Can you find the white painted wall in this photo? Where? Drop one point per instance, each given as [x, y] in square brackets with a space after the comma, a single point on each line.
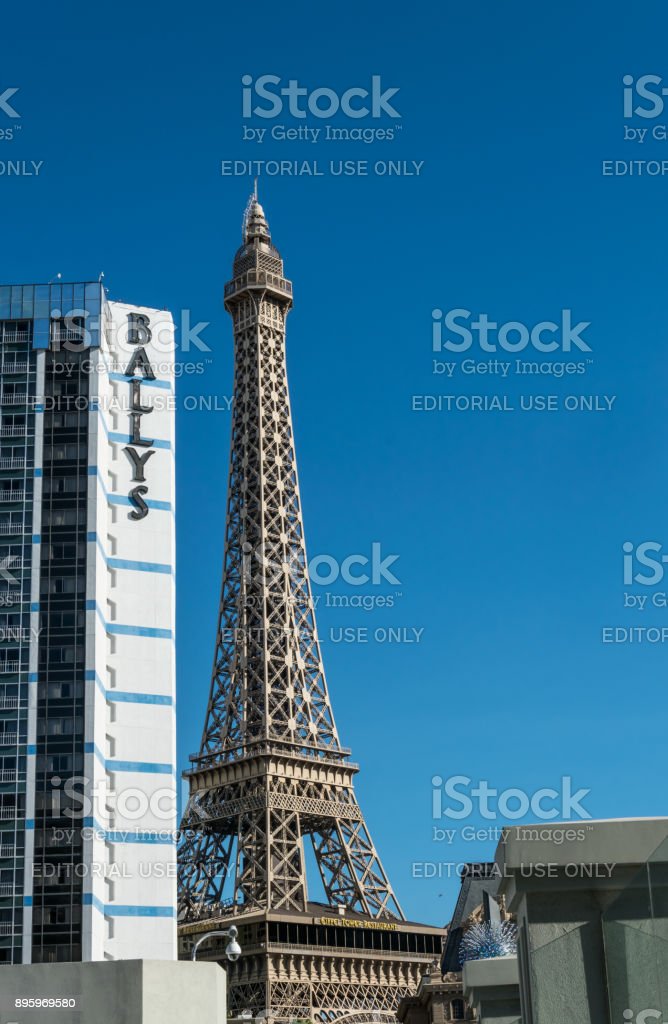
[130, 651]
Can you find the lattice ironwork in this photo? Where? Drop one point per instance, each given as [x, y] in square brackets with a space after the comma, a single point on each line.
[300, 988]
[271, 773]
[268, 693]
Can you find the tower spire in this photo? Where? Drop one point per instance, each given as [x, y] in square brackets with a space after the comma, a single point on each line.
[255, 223]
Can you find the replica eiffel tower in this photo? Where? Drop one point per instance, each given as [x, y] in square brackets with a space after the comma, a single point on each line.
[271, 776]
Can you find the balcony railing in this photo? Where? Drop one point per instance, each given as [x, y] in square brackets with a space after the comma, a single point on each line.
[8, 739]
[11, 775]
[12, 527]
[13, 366]
[8, 667]
[9, 336]
[13, 430]
[11, 703]
[15, 398]
[62, 334]
[6, 462]
[10, 813]
[6, 850]
[6, 928]
[10, 563]
[12, 495]
[6, 888]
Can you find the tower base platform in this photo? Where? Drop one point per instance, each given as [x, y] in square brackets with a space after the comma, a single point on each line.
[320, 966]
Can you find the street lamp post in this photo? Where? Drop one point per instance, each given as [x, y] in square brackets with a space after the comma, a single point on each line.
[232, 949]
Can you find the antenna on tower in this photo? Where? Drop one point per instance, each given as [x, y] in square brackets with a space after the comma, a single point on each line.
[251, 199]
[244, 221]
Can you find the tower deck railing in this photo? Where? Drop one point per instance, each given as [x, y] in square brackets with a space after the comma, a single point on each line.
[337, 756]
[258, 279]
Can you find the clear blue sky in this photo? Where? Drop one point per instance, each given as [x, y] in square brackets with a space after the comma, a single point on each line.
[509, 526]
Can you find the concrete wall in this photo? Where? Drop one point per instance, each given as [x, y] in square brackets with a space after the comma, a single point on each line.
[592, 914]
[491, 987]
[116, 992]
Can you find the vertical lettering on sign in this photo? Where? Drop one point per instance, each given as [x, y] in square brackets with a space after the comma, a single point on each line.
[138, 462]
[141, 508]
[139, 334]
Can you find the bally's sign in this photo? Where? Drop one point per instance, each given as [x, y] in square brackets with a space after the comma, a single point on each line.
[139, 334]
